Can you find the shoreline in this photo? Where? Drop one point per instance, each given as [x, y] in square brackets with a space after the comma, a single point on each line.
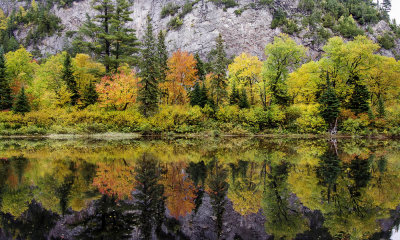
[136, 136]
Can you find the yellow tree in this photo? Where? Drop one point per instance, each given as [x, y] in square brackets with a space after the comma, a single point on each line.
[119, 90]
[86, 71]
[247, 70]
[383, 79]
[180, 78]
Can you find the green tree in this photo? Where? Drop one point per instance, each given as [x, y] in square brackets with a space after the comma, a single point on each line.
[283, 54]
[359, 100]
[102, 27]
[234, 98]
[22, 103]
[219, 80]
[5, 89]
[149, 91]
[90, 95]
[201, 71]
[195, 95]
[243, 100]
[69, 79]
[329, 108]
[387, 5]
[124, 41]
[162, 56]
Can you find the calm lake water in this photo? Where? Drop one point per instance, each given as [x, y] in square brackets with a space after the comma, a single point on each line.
[234, 188]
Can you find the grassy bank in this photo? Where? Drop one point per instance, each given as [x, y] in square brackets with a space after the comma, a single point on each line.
[194, 121]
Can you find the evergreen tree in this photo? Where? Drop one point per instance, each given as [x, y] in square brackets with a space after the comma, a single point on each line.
[381, 107]
[162, 56]
[204, 100]
[387, 5]
[195, 95]
[234, 98]
[219, 81]
[102, 45]
[243, 100]
[329, 108]
[69, 78]
[107, 36]
[201, 72]
[124, 41]
[149, 92]
[359, 99]
[90, 95]
[21, 102]
[5, 89]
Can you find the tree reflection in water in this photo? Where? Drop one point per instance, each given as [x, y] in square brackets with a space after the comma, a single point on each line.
[243, 189]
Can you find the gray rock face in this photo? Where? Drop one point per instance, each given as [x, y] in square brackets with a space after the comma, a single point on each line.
[248, 32]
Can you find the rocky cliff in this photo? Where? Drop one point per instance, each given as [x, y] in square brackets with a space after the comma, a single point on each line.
[244, 28]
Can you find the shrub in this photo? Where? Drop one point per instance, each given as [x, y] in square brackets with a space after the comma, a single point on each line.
[175, 23]
[386, 41]
[347, 26]
[169, 9]
[310, 120]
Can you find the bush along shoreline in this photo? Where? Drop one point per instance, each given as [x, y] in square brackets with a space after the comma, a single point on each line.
[187, 120]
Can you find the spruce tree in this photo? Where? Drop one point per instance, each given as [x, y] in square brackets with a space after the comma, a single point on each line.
[5, 89]
[243, 100]
[201, 72]
[219, 81]
[204, 100]
[234, 98]
[329, 107]
[69, 78]
[359, 101]
[162, 55]
[21, 102]
[90, 95]
[381, 107]
[149, 91]
[124, 41]
[195, 95]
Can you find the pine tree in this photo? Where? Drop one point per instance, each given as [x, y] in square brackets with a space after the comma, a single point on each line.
[201, 72]
[5, 89]
[21, 102]
[102, 45]
[69, 78]
[219, 81]
[234, 98]
[329, 108]
[243, 100]
[149, 92]
[124, 41]
[387, 5]
[90, 95]
[359, 99]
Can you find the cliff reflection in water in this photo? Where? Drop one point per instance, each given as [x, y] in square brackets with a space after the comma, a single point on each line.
[199, 189]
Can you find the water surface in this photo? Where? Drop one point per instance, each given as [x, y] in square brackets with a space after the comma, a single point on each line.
[229, 188]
